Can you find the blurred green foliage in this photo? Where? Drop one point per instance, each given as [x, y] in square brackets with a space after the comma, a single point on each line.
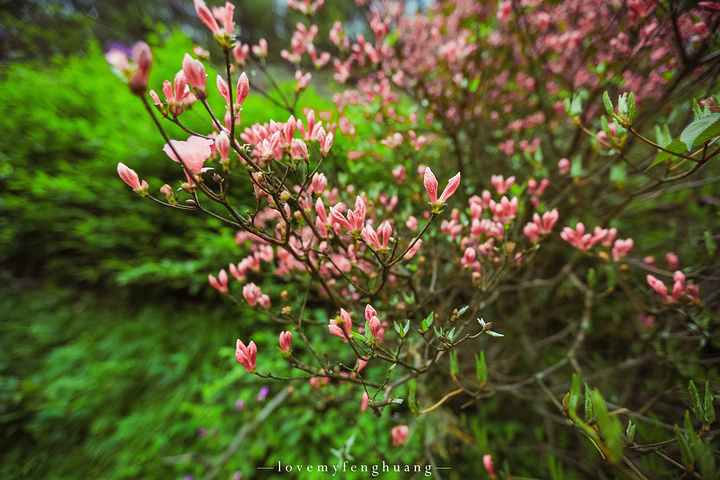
[43, 29]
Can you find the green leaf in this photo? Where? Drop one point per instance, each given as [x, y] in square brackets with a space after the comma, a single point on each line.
[407, 328]
[494, 334]
[631, 106]
[611, 278]
[697, 111]
[463, 310]
[608, 104]
[623, 104]
[710, 242]
[662, 135]
[676, 146]
[589, 414]
[697, 406]
[630, 432]
[709, 408]
[689, 430]
[412, 385]
[610, 427]
[574, 394]
[427, 322]
[591, 277]
[454, 367]
[574, 106]
[481, 369]
[397, 328]
[685, 452]
[619, 131]
[701, 130]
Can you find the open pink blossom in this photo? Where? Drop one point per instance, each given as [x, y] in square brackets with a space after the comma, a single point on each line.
[501, 185]
[431, 186]
[193, 152]
[579, 239]
[345, 321]
[246, 355]
[621, 248]
[220, 283]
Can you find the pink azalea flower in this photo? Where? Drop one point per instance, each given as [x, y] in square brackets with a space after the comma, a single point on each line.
[193, 152]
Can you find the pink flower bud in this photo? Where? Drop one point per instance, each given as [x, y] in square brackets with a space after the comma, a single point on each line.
[326, 144]
[194, 72]
[399, 434]
[345, 319]
[398, 173]
[345, 316]
[503, 14]
[261, 49]
[564, 166]
[241, 52]
[451, 187]
[222, 143]
[252, 294]
[142, 57]
[489, 466]
[659, 287]
[225, 17]
[621, 248]
[364, 402]
[129, 176]
[469, 257]
[375, 326]
[413, 250]
[385, 231]
[243, 89]
[203, 13]
[692, 292]
[370, 312]
[298, 149]
[285, 341]
[222, 87]
[370, 237]
[672, 260]
[431, 185]
[319, 183]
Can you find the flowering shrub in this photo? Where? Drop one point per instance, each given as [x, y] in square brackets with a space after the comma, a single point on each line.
[409, 273]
